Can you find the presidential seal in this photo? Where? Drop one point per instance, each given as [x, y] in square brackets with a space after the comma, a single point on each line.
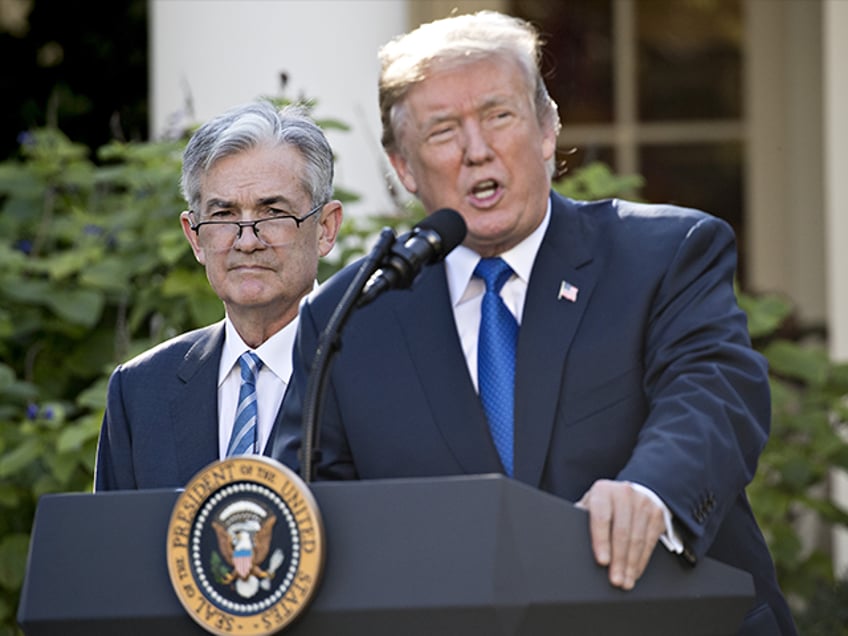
[245, 546]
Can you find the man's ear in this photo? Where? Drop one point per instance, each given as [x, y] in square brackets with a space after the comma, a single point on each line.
[329, 224]
[404, 172]
[549, 142]
[191, 235]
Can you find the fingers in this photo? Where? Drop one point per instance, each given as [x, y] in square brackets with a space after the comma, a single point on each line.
[624, 526]
[599, 504]
[646, 526]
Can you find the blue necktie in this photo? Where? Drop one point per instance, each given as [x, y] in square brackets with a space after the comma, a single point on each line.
[496, 357]
[243, 440]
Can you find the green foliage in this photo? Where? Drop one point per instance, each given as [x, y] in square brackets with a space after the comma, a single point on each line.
[828, 611]
[596, 181]
[93, 269]
[807, 441]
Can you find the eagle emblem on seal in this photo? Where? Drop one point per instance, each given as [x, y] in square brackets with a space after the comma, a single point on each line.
[244, 531]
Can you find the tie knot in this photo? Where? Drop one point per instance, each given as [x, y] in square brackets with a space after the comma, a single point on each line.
[250, 365]
[494, 272]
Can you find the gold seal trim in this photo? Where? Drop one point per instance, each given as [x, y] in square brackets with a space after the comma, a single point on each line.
[245, 546]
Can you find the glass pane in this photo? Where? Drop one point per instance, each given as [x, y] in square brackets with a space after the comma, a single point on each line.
[577, 55]
[689, 59]
[709, 177]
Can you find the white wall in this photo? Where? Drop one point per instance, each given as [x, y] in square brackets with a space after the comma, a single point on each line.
[835, 21]
[785, 160]
[221, 53]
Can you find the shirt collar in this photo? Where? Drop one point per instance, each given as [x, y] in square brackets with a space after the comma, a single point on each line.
[460, 262]
[275, 352]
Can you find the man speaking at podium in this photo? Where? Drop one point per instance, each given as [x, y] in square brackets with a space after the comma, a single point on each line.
[259, 184]
[592, 350]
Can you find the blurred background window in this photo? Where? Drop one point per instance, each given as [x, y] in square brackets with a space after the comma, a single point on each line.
[652, 87]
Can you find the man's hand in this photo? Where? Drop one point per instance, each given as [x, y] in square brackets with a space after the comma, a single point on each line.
[624, 525]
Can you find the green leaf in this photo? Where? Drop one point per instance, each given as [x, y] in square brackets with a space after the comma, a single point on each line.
[62, 466]
[596, 181]
[9, 496]
[7, 376]
[73, 437]
[77, 306]
[27, 291]
[11, 260]
[797, 473]
[113, 273]
[61, 266]
[205, 308]
[173, 246]
[344, 195]
[839, 378]
[332, 124]
[795, 361]
[182, 282]
[6, 617]
[20, 457]
[13, 556]
[765, 313]
[94, 397]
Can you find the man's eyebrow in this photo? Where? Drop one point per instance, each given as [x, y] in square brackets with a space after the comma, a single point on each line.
[277, 199]
[493, 101]
[439, 118]
[218, 203]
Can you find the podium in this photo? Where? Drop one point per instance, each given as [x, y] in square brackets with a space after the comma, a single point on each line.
[441, 556]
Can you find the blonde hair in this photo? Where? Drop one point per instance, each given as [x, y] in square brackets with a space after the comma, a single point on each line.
[407, 59]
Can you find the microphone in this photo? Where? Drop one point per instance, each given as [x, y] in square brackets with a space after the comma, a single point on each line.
[427, 243]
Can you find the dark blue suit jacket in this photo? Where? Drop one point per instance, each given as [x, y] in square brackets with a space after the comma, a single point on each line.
[648, 376]
[161, 421]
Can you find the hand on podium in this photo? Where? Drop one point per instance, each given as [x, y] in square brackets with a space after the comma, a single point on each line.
[625, 525]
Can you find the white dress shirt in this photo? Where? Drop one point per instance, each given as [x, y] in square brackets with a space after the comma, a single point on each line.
[271, 383]
[466, 291]
[466, 294]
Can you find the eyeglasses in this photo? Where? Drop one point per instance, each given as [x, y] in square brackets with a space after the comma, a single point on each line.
[275, 231]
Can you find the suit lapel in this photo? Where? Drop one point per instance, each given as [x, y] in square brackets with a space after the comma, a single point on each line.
[548, 327]
[426, 319]
[195, 406]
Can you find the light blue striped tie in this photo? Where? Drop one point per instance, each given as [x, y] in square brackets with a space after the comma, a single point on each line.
[496, 358]
[243, 440]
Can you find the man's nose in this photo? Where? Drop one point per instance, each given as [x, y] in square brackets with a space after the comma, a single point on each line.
[477, 148]
[247, 238]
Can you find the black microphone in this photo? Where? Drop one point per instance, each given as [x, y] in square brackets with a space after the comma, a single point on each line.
[427, 243]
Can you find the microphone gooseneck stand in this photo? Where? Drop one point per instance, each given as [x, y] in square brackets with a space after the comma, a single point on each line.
[328, 346]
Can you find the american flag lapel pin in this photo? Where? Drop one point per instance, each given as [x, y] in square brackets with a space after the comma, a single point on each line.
[567, 291]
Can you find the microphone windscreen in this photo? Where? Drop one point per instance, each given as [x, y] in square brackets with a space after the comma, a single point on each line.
[448, 224]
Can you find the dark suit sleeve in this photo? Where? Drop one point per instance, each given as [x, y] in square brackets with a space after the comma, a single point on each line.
[707, 388]
[114, 466]
[335, 460]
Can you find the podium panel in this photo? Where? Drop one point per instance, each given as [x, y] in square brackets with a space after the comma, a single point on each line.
[419, 557]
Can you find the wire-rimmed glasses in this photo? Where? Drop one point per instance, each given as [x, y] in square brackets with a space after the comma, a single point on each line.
[275, 230]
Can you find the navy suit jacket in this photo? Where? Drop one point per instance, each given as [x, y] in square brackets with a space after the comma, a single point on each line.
[161, 422]
[647, 376]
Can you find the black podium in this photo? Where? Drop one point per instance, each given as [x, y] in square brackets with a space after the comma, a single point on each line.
[465, 556]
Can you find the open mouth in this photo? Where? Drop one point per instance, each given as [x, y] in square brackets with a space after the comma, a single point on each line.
[485, 189]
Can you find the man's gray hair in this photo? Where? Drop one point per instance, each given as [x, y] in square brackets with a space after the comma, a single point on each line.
[253, 125]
